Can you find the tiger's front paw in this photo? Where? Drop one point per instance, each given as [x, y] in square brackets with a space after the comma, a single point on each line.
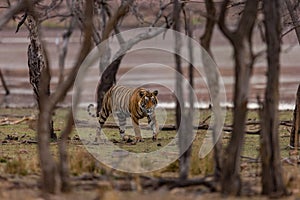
[137, 139]
[154, 137]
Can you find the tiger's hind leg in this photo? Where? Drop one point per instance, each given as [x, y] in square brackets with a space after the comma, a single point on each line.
[122, 124]
[103, 115]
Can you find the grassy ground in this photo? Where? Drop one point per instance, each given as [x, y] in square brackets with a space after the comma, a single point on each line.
[19, 159]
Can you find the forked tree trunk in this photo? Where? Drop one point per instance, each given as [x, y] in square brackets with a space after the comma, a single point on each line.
[243, 57]
[272, 177]
[294, 139]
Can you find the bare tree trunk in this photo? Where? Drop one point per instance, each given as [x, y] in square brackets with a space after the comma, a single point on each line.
[40, 80]
[213, 84]
[294, 17]
[187, 129]
[63, 155]
[180, 117]
[294, 138]
[272, 177]
[64, 49]
[36, 63]
[50, 177]
[51, 182]
[243, 56]
[4, 83]
[179, 92]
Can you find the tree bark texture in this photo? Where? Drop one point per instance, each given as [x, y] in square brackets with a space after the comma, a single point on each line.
[38, 68]
[51, 180]
[36, 63]
[272, 177]
[294, 139]
[243, 57]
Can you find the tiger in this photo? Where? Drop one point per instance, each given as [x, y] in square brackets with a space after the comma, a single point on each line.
[124, 102]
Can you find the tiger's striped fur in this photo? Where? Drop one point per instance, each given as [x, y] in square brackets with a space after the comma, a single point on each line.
[127, 102]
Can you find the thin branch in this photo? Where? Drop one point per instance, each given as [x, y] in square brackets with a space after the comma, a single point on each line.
[15, 9]
[59, 94]
[173, 183]
[290, 30]
[63, 16]
[160, 12]
[119, 36]
[64, 49]
[229, 34]
[137, 14]
[234, 4]
[21, 22]
[138, 38]
[121, 12]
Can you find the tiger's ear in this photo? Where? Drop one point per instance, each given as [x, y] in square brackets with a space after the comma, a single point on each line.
[141, 94]
[155, 92]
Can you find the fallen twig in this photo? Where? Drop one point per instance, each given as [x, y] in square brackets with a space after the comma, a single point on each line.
[6, 121]
[175, 182]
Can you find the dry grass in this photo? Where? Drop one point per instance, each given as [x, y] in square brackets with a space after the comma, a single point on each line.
[21, 159]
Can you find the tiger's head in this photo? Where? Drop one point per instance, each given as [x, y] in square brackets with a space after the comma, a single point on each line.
[148, 101]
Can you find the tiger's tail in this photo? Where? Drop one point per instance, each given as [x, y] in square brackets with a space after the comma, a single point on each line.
[89, 110]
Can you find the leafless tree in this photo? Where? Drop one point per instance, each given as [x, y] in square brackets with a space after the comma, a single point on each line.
[52, 180]
[108, 77]
[243, 57]
[50, 175]
[35, 52]
[37, 62]
[272, 177]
